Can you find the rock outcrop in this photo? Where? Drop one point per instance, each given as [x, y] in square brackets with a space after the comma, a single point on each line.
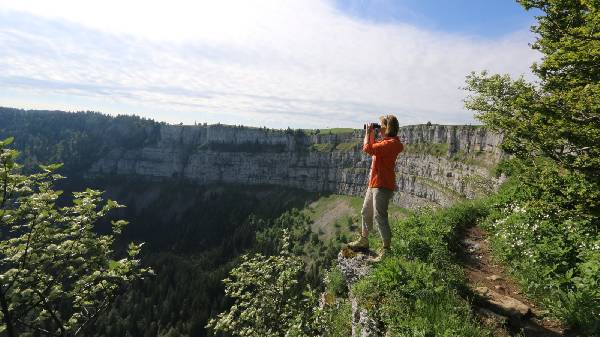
[354, 266]
[440, 165]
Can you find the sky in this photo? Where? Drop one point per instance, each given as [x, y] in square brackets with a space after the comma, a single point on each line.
[274, 63]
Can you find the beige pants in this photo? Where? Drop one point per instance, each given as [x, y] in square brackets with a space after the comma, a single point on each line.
[376, 206]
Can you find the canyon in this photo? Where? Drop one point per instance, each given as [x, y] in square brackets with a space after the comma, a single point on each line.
[441, 164]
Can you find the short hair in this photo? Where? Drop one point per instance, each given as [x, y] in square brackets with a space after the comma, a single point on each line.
[391, 125]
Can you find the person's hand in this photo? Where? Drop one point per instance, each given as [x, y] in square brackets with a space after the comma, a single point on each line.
[368, 133]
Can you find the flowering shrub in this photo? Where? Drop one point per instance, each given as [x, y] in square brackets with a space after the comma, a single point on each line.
[552, 249]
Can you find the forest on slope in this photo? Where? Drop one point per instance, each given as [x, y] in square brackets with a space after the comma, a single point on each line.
[192, 234]
[75, 139]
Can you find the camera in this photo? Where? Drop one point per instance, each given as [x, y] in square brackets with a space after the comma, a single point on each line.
[375, 126]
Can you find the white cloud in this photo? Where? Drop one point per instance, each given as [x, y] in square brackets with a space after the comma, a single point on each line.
[277, 63]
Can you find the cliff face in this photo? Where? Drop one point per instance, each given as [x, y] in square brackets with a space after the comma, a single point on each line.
[440, 164]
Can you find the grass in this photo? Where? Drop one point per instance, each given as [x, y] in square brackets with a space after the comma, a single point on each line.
[347, 146]
[322, 147]
[419, 289]
[332, 131]
[328, 147]
[434, 149]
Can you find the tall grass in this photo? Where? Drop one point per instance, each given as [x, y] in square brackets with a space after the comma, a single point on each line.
[419, 289]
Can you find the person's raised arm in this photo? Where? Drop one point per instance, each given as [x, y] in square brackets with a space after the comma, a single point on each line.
[369, 140]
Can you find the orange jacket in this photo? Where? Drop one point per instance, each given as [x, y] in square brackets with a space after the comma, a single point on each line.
[384, 154]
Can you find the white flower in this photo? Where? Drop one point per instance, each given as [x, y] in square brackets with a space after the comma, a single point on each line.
[518, 209]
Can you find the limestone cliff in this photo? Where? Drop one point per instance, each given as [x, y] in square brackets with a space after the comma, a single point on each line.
[441, 163]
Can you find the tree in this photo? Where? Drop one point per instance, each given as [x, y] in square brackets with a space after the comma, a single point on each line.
[558, 118]
[553, 126]
[57, 272]
[269, 299]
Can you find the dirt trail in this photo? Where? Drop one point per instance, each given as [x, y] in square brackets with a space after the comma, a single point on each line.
[500, 303]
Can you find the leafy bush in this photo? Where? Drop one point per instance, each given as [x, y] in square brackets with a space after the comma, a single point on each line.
[335, 320]
[335, 283]
[57, 272]
[269, 299]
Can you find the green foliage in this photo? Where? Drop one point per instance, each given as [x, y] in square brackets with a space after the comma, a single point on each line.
[546, 222]
[302, 257]
[57, 273]
[552, 250]
[269, 299]
[557, 118]
[335, 320]
[417, 291]
[335, 283]
[318, 254]
[193, 238]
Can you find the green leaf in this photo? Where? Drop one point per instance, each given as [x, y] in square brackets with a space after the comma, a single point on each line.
[6, 141]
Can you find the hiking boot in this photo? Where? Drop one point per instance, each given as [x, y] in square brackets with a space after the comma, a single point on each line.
[381, 254]
[360, 243]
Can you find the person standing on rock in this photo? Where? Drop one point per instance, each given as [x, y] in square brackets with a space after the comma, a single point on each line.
[382, 182]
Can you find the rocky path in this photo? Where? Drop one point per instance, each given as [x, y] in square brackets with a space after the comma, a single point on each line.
[500, 303]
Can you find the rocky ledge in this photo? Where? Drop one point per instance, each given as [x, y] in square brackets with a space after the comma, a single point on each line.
[354, 266]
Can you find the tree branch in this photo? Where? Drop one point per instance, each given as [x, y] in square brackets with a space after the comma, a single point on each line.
[93, 317]
[21, 261]
[38, 329]
[4, 186]
[52, 313]
[28, 309]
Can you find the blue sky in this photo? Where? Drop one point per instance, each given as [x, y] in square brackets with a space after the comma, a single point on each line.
[483, 18]
[297, 63]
